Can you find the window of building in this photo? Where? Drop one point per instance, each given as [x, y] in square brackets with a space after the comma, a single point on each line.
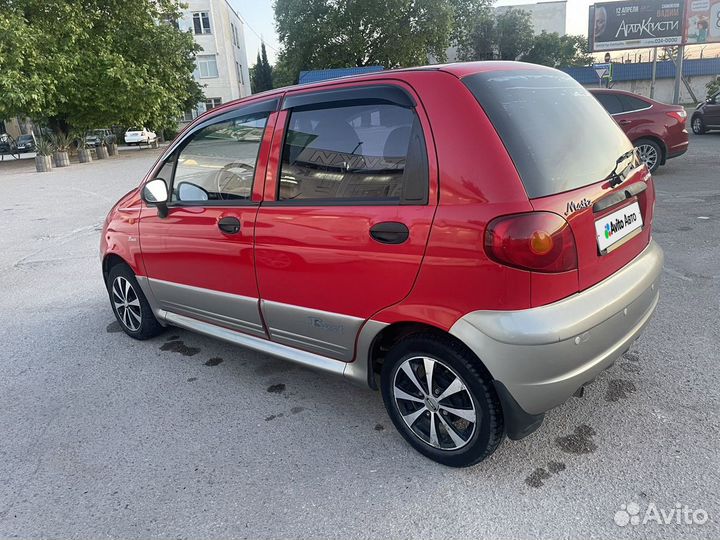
[201, 22]
[370, 153]
[189, 116]
[238, 68]
[207, 66]
[234, 35]
[211, 103]
[218, 164]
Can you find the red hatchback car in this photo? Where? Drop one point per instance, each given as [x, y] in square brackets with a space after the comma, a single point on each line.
[657, 130]
[473, 239]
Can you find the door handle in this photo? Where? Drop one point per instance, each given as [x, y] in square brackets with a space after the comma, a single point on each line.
[390, 232]
[625, 121]
[229, 225]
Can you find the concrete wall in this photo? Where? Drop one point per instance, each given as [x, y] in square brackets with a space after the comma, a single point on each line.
[664, 88]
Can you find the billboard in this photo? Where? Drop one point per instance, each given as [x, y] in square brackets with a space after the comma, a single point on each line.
[702, 22]
[635, 24]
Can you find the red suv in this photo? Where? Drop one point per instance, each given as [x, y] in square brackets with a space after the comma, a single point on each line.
[474, 240]
[656, 129]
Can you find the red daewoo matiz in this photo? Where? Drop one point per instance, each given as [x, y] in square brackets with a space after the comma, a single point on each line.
[473, 239]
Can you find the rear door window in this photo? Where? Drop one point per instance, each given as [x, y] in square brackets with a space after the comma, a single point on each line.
[610, 102]
[630, 103]
[355, 153]
[557, 134]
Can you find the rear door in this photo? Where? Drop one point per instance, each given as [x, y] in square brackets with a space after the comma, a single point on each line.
[349, 201]
[712, 113]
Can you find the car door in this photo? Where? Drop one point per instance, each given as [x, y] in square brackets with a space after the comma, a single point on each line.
[349, 200]
[712, 112]
[199, 258]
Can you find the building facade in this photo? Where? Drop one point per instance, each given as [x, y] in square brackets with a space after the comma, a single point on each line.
[221, 67]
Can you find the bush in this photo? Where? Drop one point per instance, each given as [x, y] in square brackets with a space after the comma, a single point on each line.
[713, 86]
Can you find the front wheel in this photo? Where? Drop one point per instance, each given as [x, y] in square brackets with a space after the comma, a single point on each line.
[130, 305]
[698, 126]
[649, 152]
[442, 400]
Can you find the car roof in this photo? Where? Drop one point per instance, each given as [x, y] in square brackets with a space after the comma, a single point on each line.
[458, 69]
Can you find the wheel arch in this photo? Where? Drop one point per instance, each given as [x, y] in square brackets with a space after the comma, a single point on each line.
[657, 140]
[111, 260]
[393, 333]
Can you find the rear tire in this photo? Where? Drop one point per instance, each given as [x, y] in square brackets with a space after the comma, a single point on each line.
[650, 152]
[129, 304]
[458, 421]
[698, 126]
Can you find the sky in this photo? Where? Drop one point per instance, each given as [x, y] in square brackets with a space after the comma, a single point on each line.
[258, 17]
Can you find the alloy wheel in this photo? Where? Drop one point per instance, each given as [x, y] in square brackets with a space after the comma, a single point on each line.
[648, 154]
[434, 403]
[697, 125]
[127, 303]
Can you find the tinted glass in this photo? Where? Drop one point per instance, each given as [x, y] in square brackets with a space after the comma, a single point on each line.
[610, 102]
[630, 103]
[218, 164]
[557, 134]
[25, 138]
[360, 152]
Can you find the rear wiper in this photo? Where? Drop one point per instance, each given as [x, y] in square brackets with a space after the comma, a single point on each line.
[614, 177]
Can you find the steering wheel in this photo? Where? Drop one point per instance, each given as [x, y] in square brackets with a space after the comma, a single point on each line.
[236, 179]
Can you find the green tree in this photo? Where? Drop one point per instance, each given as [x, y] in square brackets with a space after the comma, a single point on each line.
[554, 50]
[318, 34]
[261, 74]
[713, 87]
[466, 15]
[507, 35]
[95, 62]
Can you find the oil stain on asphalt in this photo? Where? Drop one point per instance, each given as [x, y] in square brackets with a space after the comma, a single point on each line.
[113, 327]
[214, 362]
[276, 388]
[536, 478]
[579, 442]
[619, 389]
[177, 346]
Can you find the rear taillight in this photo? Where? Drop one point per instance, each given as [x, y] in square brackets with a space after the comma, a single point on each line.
[537, 241]
[680, 116]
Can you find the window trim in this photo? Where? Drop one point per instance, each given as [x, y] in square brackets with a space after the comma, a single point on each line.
[364, 95]
[205, 60]
[268, 106]
[199, 17]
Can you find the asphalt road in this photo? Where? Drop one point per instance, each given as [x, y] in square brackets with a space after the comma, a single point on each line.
[182, 436]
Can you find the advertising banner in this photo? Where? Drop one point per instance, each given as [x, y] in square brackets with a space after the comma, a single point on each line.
[636, 24]
[702, 21]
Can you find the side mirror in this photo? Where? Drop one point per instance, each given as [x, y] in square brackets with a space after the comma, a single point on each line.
[156, 192]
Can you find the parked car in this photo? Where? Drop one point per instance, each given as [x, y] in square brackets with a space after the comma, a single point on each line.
[96, 137]
[140, 136]
[26, 143]
[656, 129]
[706, 116]
[7, 144]
[478, 273]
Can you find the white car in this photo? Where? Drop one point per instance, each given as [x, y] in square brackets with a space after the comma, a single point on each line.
[140, 136]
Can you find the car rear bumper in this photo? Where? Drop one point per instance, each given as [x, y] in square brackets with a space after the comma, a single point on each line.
[540, 357]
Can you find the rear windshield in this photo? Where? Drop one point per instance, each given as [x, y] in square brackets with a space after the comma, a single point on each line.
[557, 134]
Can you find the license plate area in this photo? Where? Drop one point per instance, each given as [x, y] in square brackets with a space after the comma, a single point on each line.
[616, 228]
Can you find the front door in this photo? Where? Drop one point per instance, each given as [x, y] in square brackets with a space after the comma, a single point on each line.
[199, 258]
[348, 206]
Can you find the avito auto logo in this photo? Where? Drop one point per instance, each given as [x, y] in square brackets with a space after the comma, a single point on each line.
[619, 224]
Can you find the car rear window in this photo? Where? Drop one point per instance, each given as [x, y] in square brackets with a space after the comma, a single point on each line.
[557, 134]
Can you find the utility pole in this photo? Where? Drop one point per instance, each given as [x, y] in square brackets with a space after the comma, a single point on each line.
[678, 73]
[654, 72]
